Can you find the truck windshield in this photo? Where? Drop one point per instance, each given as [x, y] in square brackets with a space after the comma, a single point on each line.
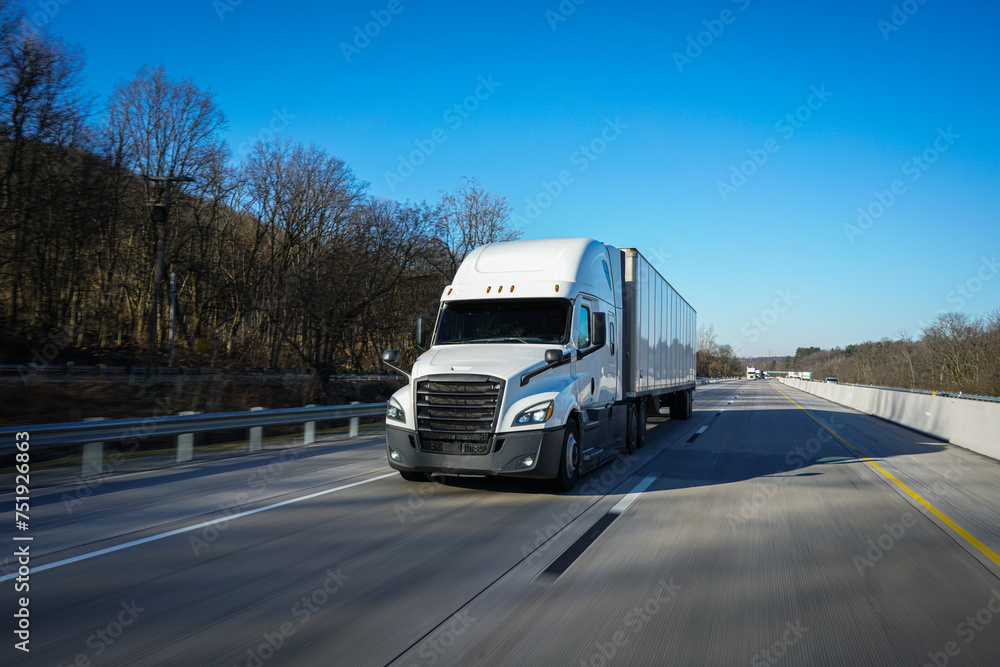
[505, 321]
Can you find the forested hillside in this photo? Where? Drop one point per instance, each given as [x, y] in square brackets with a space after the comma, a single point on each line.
[281, 259]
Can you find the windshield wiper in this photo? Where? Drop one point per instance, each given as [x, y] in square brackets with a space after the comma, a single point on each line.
[496, 340]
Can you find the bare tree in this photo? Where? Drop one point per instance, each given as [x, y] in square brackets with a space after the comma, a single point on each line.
[466, 219]
[42, 138]
[163, 128]
[953, 343]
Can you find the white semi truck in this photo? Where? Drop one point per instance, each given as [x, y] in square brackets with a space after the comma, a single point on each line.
[545, 360]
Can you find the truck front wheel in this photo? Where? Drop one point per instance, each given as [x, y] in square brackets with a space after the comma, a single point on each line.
[569, 463]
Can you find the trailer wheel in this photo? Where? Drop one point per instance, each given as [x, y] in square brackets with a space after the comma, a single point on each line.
[677, 410]
[641, 432]
[569, 462]
[681, 406]
[631, 429]
[414, 476]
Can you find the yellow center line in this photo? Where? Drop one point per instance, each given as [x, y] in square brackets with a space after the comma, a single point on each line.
[948, 521]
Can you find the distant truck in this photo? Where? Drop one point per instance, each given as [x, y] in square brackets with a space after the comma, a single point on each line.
[546, 358]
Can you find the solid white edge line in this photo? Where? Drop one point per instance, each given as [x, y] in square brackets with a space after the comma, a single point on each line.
[624, 503]
[203, 524]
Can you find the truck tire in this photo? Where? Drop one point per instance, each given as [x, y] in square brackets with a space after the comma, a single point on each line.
[414, 476]
[677, 409]
[641, 413]
[686, 404]
[569, 461]
[631, 429]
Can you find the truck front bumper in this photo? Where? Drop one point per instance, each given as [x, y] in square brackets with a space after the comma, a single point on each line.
[506, 451]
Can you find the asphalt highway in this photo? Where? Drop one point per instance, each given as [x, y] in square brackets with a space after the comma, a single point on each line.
[772, 528]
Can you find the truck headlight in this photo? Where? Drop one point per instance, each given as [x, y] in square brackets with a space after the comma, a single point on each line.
[537, 414]
[394, 411]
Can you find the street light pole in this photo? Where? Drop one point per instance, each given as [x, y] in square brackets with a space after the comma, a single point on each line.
[159, 205]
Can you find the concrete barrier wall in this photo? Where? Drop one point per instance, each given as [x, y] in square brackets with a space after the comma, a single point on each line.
[971, 424]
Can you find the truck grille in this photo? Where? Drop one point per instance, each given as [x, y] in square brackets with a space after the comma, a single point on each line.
[457, 415]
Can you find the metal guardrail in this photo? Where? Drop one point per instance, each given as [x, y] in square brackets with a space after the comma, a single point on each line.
[130, 432]
[714, 380]
[71, 433]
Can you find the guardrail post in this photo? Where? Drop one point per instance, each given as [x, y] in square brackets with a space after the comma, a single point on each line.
[93, 454]
[309, 431]
[185, 442]
[256, 434]
[352, 431]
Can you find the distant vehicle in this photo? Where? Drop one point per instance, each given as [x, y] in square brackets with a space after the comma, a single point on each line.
[833, 380]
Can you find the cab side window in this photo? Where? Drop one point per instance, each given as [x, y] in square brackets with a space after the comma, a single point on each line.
[583, 332]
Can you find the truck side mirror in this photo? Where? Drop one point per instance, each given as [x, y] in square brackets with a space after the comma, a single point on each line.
[553, 356]
[599, 336]
[420, 337]
[390, 358]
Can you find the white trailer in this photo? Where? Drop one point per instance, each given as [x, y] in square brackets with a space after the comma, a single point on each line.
[545, 360]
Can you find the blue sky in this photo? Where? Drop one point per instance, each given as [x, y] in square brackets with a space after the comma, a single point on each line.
[732, 142]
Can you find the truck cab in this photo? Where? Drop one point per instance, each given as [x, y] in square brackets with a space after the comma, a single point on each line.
[524, 375]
